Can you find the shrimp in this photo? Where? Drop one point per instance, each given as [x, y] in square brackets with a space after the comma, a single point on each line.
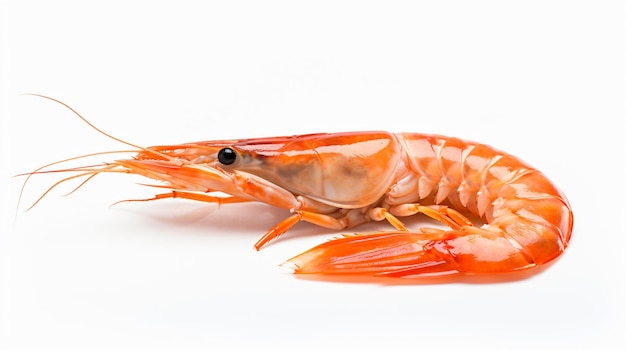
[342, 180]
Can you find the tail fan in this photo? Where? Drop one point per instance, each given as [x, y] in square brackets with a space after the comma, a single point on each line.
[410, 255]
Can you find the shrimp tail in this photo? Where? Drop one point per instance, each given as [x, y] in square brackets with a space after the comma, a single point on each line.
[413, 254]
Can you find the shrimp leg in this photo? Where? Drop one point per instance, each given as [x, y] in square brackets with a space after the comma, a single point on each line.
[176, 194]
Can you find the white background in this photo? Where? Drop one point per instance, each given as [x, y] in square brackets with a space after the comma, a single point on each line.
[543, 80]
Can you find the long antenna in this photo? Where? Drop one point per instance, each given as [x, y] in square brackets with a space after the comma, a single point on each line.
[90, 174]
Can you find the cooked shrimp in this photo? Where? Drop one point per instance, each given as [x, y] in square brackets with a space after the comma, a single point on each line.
[342, 180]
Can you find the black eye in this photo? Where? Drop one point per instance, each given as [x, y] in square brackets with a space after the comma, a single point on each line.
[227, 156]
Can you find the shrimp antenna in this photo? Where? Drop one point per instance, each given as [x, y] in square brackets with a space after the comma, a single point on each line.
[90, 174]
[156, 153]
[86, 121]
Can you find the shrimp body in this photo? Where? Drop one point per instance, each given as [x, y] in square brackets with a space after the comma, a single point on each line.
[342, 180]
[528, 221]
